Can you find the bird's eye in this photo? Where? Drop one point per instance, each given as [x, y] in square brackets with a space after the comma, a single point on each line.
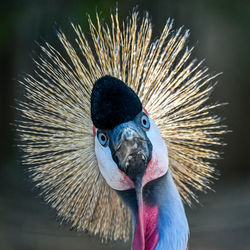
[145, 122]
[102, 138]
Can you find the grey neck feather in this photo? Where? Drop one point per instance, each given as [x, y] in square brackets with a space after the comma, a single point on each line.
[172, 222]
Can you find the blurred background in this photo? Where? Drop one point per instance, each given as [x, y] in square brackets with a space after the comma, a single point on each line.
[220, 31]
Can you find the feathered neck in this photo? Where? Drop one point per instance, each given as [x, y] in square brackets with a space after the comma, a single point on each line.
[172, 222]
[171, 226]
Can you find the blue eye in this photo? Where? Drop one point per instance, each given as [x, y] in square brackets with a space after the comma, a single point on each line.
[102, 138]
[145, 122]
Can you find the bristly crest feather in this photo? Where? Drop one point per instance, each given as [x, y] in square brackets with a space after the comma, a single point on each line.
[56, 128]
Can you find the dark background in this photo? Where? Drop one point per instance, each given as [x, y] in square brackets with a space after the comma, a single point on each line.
[220, 31]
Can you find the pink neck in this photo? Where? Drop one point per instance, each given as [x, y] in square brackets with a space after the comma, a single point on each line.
[146, 233]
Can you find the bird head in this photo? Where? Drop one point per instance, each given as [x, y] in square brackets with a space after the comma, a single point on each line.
[129, 148]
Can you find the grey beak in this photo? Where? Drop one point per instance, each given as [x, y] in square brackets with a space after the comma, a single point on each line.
[131, 149]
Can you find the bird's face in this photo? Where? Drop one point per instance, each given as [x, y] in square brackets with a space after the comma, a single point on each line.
[130, 152]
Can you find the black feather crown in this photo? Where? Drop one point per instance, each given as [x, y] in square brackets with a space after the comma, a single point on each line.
[113, 103]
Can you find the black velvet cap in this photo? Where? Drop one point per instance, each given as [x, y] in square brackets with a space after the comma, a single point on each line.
[113, 103]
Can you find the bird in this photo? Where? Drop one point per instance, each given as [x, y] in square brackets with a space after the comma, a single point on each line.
[117, 132]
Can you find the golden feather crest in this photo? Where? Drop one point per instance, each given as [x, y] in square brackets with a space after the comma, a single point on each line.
[56, 128]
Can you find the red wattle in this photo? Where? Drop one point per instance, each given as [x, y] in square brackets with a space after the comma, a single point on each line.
[139, 237]
[146, 234]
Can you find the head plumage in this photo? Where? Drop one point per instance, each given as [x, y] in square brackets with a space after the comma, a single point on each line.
[56, 129]
[113, 103]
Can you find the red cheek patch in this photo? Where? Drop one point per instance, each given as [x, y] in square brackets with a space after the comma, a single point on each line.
[153, 171]
[126, 181]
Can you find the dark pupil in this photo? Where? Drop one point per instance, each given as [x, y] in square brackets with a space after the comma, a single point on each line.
[103, 138]
[144, 121]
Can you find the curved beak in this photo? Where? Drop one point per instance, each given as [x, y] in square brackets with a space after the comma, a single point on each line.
[131, 149]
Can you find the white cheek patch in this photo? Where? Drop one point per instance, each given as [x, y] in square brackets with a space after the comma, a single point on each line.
[115, 178]
[158, 165]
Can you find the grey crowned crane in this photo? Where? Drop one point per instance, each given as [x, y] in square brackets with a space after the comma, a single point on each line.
[122, 133]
